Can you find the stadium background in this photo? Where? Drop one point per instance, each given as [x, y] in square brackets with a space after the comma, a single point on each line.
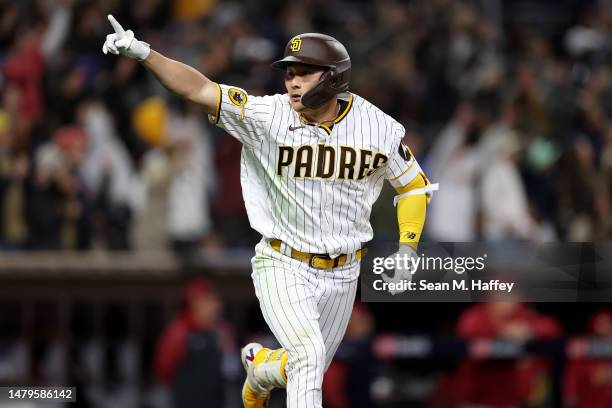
[114, 195]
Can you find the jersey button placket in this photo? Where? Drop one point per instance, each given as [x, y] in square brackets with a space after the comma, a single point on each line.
[322, 204]
[326, 193]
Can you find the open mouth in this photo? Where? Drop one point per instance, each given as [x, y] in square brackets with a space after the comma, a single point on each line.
[295, 97]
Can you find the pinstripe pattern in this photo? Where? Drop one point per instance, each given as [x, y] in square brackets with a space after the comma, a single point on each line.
[308, 309]
[312, 214]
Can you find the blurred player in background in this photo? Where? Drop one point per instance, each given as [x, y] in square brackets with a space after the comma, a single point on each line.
[501, 383]
[349, 378]
[588, 382]
[189, 356]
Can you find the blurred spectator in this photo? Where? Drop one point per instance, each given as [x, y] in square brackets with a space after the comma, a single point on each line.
[155, 174]
[586, 212]
[192, 182]
[14, 168]
[24, 68]
[588, 381]
[447, 66]
[502, 383]
[230, 213]
[348, 379]
[192, 9]
[59, 213]
[190, 352]
[179, 176]
[501, 183]
[108, 172]
[456, 163]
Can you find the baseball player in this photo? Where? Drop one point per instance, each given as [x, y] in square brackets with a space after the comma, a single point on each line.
[313, 162]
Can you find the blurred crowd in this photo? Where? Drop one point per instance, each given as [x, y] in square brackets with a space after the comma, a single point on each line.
[507, 104]
[503, 102]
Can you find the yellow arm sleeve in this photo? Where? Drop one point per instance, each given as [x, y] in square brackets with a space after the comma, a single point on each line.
[411, 212]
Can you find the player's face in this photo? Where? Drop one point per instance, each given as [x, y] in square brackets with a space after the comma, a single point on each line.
[299, 79]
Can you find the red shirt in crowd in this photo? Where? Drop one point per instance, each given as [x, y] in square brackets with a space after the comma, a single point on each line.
[588, 381]
[25, 68]
[495, 382]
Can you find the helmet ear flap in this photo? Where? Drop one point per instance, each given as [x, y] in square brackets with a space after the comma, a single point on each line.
[330, 84]
[335, 78]
[321, 92]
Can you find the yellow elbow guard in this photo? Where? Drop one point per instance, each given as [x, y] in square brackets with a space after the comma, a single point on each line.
[411, 213]
[412, 208]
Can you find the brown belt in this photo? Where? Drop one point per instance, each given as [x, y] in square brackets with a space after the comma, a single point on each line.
[319, 261]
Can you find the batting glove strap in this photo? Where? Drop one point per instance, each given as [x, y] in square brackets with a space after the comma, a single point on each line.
[133, 48]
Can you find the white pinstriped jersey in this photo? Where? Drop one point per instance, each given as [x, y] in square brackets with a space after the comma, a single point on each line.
[310, 186]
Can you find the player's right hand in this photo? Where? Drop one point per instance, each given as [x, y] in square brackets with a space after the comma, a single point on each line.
[123, 42]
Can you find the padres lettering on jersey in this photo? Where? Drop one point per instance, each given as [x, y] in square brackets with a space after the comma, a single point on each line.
[310, 186]
[352, 164]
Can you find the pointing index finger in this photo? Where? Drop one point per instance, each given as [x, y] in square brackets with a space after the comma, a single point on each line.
[118, 29]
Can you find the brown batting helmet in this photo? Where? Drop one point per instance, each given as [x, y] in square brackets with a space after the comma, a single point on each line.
[323, 51]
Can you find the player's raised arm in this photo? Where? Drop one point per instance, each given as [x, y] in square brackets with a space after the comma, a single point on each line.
[179, 78]
[184, 81]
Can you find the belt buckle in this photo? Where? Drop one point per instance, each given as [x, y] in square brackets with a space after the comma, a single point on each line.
[334, 261]
[312, 259]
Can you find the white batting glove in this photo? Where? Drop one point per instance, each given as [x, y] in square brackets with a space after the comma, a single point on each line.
[123, 42]
[403, 268]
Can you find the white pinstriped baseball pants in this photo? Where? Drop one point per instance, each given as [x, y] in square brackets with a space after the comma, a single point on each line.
[308, 310]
